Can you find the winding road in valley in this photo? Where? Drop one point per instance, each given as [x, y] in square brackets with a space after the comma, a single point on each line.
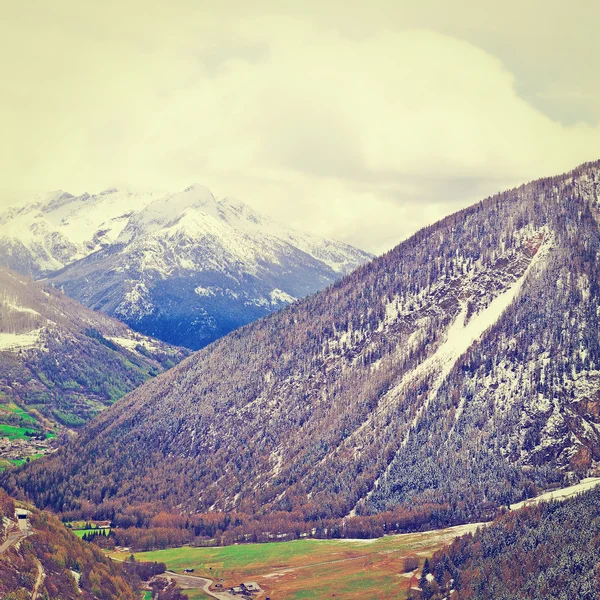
[16, 535]
[201, 583]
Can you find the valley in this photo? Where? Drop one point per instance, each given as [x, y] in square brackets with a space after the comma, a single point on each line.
[300, 300]
[310, 568]
[399, 398]
[61, 364]
[344, 569]
[327, 449]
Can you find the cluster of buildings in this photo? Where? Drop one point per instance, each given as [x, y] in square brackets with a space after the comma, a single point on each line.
[19, 449]
[248, 587]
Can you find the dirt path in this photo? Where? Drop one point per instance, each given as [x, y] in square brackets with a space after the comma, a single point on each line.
[38, 581]
[317, 564]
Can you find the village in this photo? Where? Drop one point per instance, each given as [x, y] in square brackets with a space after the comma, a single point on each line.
[23, 449]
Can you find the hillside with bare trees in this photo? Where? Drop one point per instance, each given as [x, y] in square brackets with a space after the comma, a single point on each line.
[47, 561]
[456, 374]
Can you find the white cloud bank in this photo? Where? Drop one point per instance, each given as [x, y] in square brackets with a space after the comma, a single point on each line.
[360, 138]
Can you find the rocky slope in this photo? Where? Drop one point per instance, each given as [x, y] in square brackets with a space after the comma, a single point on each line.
[184, 267]
[459, 370]
[61, 363]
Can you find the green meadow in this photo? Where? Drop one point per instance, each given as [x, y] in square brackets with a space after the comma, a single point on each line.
[312, 569]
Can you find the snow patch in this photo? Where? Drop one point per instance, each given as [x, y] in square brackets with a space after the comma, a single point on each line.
[460, 335]
[279, 296]
[206, 292]
[22, 309]
[130, 344]
[17, 341]
[561, 494]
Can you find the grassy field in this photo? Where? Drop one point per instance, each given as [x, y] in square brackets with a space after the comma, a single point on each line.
[79, 527]
[17, 462]
[196, 595]
[307, 569]
[81, 532]
[17, 410]
[14, 432]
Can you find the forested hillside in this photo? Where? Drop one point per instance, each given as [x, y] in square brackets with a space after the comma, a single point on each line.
[60, 363]
[547, 552]
[457, 373]
[52, 561]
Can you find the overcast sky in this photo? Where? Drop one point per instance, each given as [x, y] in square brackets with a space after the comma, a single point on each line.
[361, 121]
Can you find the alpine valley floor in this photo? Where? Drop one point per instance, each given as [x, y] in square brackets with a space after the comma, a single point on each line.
[310, 568]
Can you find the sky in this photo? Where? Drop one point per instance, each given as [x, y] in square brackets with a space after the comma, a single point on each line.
[361, 121]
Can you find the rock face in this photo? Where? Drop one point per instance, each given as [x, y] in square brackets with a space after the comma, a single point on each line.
[61, 363]
[184, 267]
[460, 369]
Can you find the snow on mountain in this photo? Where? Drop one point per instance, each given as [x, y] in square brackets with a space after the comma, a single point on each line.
[57, 229]
[456, 374]
[142, 257]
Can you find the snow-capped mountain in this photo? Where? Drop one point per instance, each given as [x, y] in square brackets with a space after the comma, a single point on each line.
[185, 267]
[457, 373]
[62, 363]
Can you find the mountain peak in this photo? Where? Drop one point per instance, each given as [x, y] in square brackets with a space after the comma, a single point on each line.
[200, 191]
[183, 265]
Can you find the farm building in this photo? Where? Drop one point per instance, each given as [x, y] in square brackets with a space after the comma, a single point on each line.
[248, 587]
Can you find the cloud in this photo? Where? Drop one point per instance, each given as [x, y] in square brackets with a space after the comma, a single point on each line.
[364, 138]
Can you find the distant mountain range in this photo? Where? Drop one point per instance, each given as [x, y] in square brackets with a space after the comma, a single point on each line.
[455, 374]
[185, 267]
[61, 363]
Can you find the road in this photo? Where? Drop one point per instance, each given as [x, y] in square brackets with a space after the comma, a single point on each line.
[200, 583]
[14, 538]
[193, 582]
[16, 535]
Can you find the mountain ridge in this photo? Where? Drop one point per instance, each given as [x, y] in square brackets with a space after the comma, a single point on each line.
[306, 412]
